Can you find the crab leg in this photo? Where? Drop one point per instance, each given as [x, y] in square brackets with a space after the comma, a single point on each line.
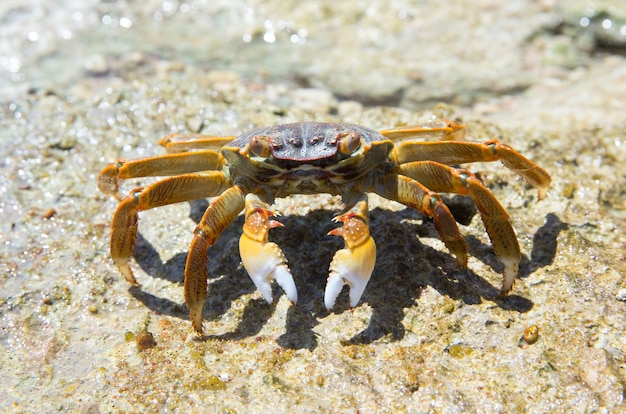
[220, 213]
[160, 165]
[174, 143]
[442, 178]
[352, 265]
[455, 152]
[264, 261]
[168, 191]
[445, 130]
[411, 193]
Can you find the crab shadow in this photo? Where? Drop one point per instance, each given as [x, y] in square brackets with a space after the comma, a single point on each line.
[405, 267]
[396, 284]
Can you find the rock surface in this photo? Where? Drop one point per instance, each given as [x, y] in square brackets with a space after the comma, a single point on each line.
[84, 86]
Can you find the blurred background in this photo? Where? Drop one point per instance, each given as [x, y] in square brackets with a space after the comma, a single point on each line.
[407, 53]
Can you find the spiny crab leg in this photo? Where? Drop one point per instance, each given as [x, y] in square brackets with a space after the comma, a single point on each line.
[175, 143]
[220, 213]
[264, 261]
[161, 165]
[412, 193]
[445, 130]
[167, 191]
[352, 265]
[442, 178]
[458, 152]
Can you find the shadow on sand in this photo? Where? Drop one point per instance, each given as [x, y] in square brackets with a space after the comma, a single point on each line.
[404, 267]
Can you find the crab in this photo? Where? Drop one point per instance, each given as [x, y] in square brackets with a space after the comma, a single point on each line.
[248, 172]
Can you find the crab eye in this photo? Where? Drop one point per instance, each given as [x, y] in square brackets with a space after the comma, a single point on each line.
[260, 146]
[349, 143]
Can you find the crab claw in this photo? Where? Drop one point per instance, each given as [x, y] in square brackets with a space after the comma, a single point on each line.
[264, 261]
[352, 265]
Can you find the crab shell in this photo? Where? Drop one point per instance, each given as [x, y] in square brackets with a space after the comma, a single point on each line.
[306, 157]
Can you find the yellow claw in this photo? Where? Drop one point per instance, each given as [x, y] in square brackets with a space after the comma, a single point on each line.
[264, 260]
[352, 265]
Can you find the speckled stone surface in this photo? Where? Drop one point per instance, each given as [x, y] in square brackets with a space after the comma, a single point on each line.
[82, 86]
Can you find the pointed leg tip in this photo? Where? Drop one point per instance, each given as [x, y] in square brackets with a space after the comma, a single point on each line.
[195, 316]
[503, 293]
[197, 329]
[125, 270]
[506, 289]
[511, 267]
[461, 263]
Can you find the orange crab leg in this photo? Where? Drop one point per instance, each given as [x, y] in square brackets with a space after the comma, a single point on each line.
[411, 193]
[445, 130]
[445, 179]
[174, 143]
[455, 152]
[160, 165]
[220, 213]
[352, 265]
[168, 191]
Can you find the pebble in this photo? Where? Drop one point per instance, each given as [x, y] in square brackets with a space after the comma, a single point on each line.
[96, 64]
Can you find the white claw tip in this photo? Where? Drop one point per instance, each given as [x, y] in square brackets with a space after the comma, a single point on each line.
[262, 279]
[285, 280]
[333, 288]
[352, 267]
[356, 291]
[264, 262]
[264, 287]
[335, 284]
